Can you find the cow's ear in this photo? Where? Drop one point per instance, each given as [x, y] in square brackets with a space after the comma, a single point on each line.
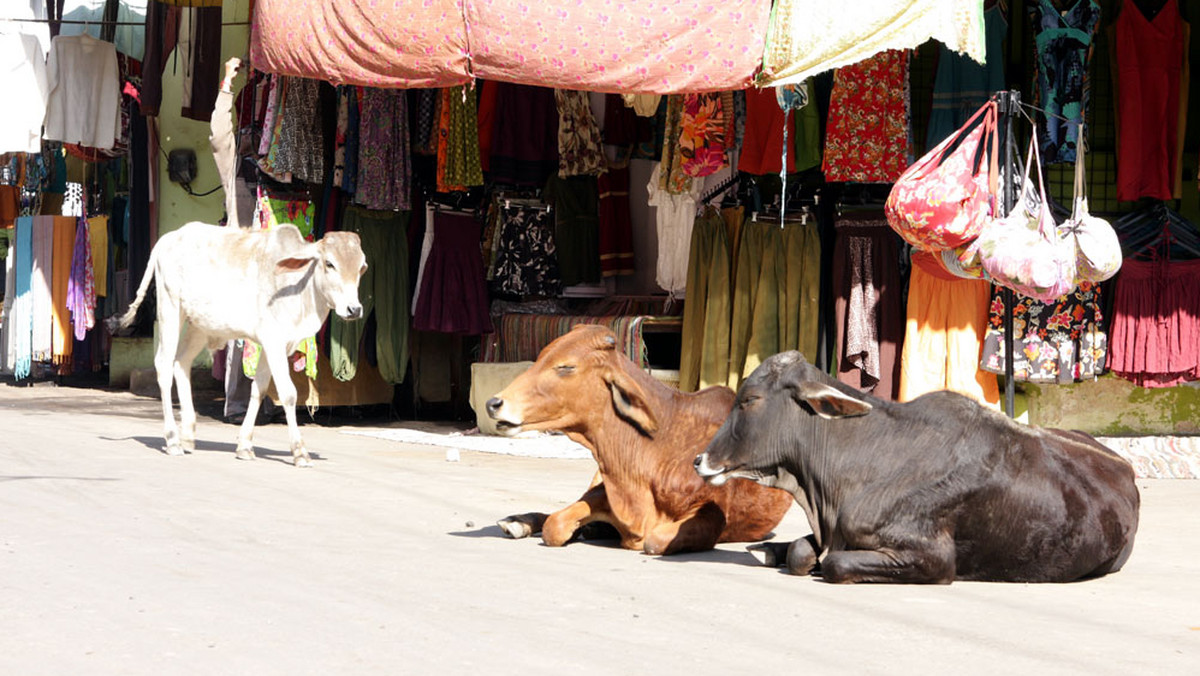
[631, 403]
[829, 402]
[293, 263]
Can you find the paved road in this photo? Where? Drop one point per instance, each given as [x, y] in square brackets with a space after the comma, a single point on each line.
[383, 559]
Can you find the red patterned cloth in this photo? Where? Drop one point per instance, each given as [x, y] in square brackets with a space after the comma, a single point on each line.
[866, 138]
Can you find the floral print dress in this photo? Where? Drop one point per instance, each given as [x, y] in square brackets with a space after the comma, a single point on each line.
[1056, 342]
[866, 139]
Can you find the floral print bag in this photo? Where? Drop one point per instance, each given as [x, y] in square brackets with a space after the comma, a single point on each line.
[1025, 250]
[944, 199]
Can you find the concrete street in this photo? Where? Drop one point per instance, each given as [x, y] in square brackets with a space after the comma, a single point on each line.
[384, 559]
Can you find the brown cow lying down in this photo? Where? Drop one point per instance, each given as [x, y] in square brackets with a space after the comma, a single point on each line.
[644, 436]
[933, 490]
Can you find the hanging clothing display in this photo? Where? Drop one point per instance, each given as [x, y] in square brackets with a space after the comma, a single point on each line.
[705, 132]
[1058, 342]
[762, 148]
[24, 65]
[673, 179]
[458, 165]
[452, 296]
[576, 227]
[1063, 41]
[1155, 334]
[616, 226]
[20, 322]
[525, 138]
[62, 253]
[704, 351]
[526, 262]
[805, 140]
[347, 132]
[866, 139]
[579, 151]
[81, 285]
[486, 121]
[808, 37]
[84, 101]
[786, 300]
[300, 147]
[674, 215]
[383, 290]
[961, 85]
[868, 307]
[644, 105]
[383, 159]
[1150, 88]
[42, 288]
[943, 339]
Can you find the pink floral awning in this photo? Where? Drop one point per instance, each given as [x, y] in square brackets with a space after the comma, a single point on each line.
[415, 43]
[652, 46]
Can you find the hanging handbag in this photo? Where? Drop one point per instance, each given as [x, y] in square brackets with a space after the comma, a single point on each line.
[1025, 251]
[1097, 249]
[944, 199]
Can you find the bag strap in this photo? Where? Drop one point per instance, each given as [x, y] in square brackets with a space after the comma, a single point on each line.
[1080, 184]
[992, 129]
[987, 110]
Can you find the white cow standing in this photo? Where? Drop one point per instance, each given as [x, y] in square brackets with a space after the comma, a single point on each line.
[217, 284]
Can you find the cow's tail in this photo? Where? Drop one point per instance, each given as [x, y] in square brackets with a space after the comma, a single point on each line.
[123, 321]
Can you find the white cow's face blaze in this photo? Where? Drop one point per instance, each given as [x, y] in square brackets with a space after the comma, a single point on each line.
[340, 268]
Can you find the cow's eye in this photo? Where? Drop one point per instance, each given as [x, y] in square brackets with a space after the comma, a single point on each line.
[329, 265]
[747, 401]
[564, 369]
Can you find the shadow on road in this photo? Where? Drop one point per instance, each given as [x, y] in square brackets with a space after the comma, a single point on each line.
[61, 478]
[202, 446]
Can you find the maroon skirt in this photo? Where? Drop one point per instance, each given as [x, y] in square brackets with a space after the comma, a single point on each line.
[453, 296]
[1155, 336]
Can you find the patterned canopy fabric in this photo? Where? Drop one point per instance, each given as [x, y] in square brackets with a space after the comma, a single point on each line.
[620, 46]
[362, 42]
[807, 37]
[651, 46]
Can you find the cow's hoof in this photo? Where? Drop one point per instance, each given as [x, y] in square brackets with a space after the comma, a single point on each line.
[515, 528]
[188, 445]
[302, 461]
[773, 554]
[244, 454]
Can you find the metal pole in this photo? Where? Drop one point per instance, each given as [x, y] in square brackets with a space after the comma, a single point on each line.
[1008, 109]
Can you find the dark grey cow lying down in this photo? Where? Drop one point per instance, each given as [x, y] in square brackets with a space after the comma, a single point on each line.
[933, 490]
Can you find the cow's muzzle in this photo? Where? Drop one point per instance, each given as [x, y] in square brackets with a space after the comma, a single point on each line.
[354, 312]
[503, 425]
[713, 475]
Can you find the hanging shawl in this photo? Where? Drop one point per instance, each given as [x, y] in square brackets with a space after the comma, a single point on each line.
[807, 37]
[22, 308]
[81, 288]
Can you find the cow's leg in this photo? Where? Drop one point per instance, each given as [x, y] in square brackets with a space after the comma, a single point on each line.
[170, 323]
[286, 390]
[520, 526]
[929, 562]
[697, 533]
[593, 505]
[799, 557]
[258, 389]
[191, 344]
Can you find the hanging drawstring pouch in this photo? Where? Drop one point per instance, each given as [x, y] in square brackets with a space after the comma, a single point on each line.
[945, 198]
[1025, 250]
[1097, 249]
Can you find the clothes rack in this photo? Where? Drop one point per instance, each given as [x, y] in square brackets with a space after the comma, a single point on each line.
[1009, 106]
